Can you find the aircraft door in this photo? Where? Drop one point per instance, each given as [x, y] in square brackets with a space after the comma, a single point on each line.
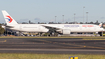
[95, 28]
[20, 27]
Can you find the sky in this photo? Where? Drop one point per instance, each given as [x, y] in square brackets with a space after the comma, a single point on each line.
[46, 10]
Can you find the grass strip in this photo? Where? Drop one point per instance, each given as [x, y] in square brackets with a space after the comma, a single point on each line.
[49, 56]
[52, 37]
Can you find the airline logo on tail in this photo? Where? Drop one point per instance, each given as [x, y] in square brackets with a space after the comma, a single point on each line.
[9, 19]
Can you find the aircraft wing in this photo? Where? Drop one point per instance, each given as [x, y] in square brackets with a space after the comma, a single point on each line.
[51, 28]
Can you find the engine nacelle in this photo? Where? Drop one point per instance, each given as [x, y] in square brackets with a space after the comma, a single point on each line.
[66, 31]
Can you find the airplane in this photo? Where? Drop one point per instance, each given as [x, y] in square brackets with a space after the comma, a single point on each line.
[13, 25]
[64, 29]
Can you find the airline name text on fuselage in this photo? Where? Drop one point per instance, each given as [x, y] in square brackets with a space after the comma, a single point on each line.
[78, 26]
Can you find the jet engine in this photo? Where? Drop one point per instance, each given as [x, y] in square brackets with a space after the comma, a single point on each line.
[66, 32]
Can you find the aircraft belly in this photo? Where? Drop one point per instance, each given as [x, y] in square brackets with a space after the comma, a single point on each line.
[26, 29]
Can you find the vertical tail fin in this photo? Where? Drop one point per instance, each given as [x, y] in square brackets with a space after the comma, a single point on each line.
[9, 20]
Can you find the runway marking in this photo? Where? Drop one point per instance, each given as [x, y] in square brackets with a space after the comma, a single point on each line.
[84, 46]
[4, 41]
[79, 46]
[54, 49]
[93, 39]
[46, 41]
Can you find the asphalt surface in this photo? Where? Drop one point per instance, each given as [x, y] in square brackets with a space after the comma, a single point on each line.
[52, 45]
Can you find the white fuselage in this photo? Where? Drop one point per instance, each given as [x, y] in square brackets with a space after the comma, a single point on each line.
[29, 28]
[71, 27]
[63, 28]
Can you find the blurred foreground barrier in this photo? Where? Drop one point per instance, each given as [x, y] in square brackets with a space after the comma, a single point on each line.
[73, 57]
